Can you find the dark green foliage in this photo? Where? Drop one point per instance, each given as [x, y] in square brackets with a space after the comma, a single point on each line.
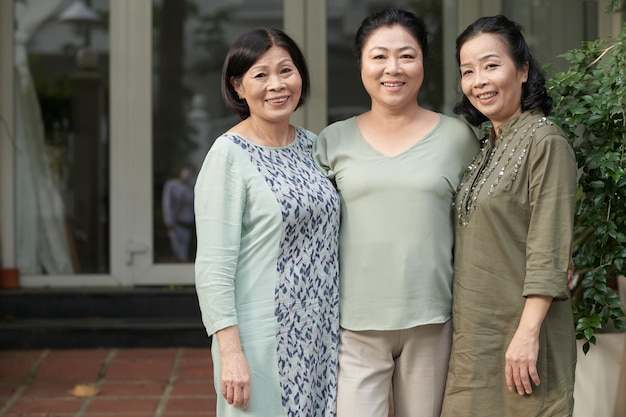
[589, 105]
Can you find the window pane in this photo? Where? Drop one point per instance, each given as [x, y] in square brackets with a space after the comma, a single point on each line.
[191, 39]
[61, 125]
[552, 28]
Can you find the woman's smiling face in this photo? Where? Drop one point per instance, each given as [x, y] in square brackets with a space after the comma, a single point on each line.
[272, 86]
[490, 79]
[392, 67]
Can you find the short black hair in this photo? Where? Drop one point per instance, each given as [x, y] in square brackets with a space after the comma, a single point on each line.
[534, 93]
[246, 50]
[391, 17]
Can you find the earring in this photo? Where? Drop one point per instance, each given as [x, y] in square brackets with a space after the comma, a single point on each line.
[240, 98]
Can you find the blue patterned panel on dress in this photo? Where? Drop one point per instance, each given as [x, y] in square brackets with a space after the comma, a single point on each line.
[307, 291]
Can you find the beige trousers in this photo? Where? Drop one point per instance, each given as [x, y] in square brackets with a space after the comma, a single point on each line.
[413, 363]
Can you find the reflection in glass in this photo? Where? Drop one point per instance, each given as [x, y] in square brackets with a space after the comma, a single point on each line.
[61, 138]
[190, 41]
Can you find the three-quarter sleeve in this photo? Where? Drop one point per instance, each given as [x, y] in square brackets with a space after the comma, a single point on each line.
[320, 155]
[552, 193]
[219, 203]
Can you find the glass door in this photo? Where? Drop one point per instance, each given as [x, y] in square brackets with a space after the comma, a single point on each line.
[190, 42]
[116, 104]
[166, 83]
[60, 140]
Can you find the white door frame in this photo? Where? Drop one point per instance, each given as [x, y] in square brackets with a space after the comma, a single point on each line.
[7, 160]
[131, 144]
[306, 22]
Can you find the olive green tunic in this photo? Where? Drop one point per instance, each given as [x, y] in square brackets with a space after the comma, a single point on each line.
[515, 209]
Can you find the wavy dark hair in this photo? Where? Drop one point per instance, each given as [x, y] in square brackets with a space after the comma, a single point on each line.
[390, 17]
[246, 51]
[534, 93]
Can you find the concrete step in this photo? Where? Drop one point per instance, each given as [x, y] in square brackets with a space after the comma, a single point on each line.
[90, 318]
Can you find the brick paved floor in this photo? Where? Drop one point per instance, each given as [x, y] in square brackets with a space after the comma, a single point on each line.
[174, 382]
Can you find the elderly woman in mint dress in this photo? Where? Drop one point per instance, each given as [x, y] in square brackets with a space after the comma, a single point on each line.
[267, 224]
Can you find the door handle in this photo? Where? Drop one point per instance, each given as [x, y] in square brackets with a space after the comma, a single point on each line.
[133, 248]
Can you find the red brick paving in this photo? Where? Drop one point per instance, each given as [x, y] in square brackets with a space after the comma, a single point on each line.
[182, 388]
[133, 389]
[51, 390]
[44, 406]
[116, 405]
[175, 382]
[189, 405]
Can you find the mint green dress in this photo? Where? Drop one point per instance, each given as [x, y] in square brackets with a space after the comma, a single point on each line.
[267, 223]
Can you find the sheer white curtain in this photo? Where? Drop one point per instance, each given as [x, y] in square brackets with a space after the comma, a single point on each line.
[42, 244]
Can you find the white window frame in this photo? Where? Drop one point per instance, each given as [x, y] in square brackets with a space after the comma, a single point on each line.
[7, 163]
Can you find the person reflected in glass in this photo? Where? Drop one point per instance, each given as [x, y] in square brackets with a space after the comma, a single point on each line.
[267, 225]
[397, 167]
[178, 215]
[513, 350]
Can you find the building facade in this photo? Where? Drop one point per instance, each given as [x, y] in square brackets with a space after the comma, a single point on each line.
[109, 106]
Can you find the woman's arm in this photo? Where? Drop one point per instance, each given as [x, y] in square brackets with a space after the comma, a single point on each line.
[220, 195]
[523, 351]
[552, 188]
[235, 373]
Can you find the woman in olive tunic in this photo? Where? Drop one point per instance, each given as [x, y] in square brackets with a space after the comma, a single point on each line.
[513, 351]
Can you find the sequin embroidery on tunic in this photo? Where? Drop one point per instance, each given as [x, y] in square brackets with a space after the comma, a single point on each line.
[496, 159]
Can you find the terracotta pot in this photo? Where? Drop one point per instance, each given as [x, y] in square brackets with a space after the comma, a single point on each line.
[9, 278]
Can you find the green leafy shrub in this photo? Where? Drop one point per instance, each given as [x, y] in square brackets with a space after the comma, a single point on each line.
[589, 98]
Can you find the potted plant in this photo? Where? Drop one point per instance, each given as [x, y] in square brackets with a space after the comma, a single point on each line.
[9, 277]
[590, 101]
[589, 104]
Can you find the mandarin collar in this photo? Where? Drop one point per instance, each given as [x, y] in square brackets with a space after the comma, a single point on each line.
[518, 121]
